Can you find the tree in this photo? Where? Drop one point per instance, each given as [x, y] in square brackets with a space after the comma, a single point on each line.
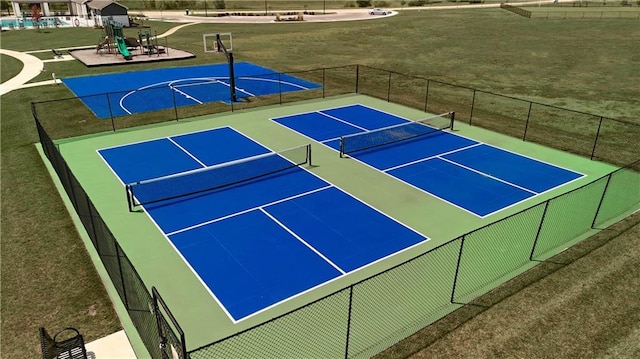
[364, 3]
[36, 15]
[5, 5]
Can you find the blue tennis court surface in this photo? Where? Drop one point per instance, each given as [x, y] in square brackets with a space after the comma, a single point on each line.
[471, 175]
[152, 90]
[259, 242]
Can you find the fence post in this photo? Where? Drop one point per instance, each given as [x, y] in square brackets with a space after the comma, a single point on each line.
[595, 141]
[526, 124]
[535, 241]
[113, 124]
[426, 96]
[124, 289]
[473, 104]
[280, 86]
[175, 105]
[323, 82]
[346, 346]
[389, 88]
[604, 192]
[455, 276]
[156, 314]
[357, 78]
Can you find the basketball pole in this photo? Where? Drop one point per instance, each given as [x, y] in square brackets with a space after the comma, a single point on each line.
[232, 77]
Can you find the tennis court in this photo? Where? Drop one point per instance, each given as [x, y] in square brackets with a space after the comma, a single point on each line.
[152, 90]
[257, 230]
[474, 176]
[253, 225]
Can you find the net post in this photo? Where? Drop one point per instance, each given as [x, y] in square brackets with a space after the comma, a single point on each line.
[309, 155]
[129, 193]
[341, 147]
[453, 119]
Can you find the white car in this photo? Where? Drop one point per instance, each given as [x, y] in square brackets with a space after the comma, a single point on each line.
[377, 11]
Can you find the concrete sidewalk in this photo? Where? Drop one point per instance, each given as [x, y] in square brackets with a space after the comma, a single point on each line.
[113, 346]
[32, 67]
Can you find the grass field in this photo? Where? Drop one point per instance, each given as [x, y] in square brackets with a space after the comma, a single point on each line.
[587, 65]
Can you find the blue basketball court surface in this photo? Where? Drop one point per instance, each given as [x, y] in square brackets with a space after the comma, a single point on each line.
[259, 242]
[152, 90]
[473, 176]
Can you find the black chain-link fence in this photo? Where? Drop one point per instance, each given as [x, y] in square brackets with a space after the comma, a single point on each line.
[369, 316]
[134, 294]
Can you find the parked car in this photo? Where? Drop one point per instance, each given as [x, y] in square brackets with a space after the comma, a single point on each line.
[378, 11]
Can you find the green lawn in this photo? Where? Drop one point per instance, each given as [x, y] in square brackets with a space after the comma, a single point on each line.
[47, 278]
[9, 67]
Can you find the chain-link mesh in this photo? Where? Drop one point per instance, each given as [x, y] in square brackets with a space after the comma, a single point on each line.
[563, 129]
[339, 80]
[499, 113]
[496, 252]
[401, 90]
[568, 217]
[395, 304]
[373, 82]
[317, 330]
[614, 139]
[392, 305]
[444, 97]
[622, 194]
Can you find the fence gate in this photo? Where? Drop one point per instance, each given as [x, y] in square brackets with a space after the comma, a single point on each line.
[172, 343]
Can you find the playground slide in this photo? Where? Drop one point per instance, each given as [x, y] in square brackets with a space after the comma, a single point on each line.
[122, 47]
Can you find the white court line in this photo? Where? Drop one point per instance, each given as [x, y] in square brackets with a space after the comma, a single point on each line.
[187, 152]
[246, 211]
[343, 121]
[430, 157]
[185, 94]
[237, 88]
[302, 240]
[487, 175]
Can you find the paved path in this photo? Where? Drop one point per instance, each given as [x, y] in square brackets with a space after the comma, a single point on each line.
[31, 67]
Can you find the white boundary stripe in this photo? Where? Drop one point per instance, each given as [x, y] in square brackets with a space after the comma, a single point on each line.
[330, 139]
[430, 157]
[343, 121]
[186, 95]
[246, 211]
[165, 137]
[302, 240]
[487, 175]
[237, 88]
[314, 111]
[187, 152]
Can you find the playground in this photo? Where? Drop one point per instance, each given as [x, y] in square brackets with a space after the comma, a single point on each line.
[113, 48]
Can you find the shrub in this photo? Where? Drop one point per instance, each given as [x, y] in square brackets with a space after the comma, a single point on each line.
[363, 3]
[219, 4]
[417, 2]
[350, 4]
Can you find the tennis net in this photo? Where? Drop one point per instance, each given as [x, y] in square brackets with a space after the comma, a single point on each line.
[215, 177]
[387, 135]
